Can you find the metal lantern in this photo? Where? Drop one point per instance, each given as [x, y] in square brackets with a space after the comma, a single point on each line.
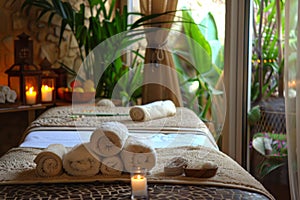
[48, 82]
[23, 76]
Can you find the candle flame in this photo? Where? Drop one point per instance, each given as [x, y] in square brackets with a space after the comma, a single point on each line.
[139, 176]
[31, 89]
[47, 88]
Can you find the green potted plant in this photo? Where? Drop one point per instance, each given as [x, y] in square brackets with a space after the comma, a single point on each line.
[90, 30]
[203, 56]
[272, 147]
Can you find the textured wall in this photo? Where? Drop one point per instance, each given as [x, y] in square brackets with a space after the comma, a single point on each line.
[45, 39]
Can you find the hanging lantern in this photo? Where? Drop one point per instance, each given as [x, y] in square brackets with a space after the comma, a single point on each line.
[48, 82]
[23, 76]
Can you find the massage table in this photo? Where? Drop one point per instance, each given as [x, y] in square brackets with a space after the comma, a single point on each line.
[183, 134]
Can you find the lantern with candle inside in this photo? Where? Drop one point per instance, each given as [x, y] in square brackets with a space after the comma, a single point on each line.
[139, 188]
[48, 93]
[25, 80]
[24, 75]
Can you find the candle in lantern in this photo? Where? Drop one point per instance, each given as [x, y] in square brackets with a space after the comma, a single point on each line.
[31, 96]
[46, 93]
[139, 185]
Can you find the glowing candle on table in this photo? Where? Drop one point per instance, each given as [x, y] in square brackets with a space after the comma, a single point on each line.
[139, 185]
[31, 96]
[46, 93]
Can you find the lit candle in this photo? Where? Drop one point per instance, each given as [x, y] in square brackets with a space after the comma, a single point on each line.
[31, 96]
[46, 93]
[139, 185]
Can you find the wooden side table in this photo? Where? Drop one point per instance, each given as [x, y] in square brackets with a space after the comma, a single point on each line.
[31, 110]
[13, 122]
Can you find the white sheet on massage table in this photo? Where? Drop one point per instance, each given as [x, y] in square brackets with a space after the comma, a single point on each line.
[70, 138]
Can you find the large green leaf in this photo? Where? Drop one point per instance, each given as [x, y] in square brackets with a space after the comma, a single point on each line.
[208, 27]
[198, 45]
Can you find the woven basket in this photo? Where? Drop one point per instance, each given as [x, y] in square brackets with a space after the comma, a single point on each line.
[272, 117]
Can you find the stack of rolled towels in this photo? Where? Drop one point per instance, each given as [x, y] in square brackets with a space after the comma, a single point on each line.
[7, 94]
[110, 151]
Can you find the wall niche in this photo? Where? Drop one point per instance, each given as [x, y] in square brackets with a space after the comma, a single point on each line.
[45, 38]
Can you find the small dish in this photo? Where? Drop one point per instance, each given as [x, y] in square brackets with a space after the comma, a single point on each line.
[205, 170]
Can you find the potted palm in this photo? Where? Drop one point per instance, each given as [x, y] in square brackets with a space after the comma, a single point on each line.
[90, 29]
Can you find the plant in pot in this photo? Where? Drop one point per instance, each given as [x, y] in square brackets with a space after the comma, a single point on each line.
[273, 148]
[267, 55]
[90, 29]
[269, 162]
[200, 63]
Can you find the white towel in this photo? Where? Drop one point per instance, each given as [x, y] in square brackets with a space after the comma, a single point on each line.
[154, 110]
[11, 96]
[5, 89]
[137, 153]
[80, 161]
[6, 94]
[112, 166]
[109, 139]
[49, 161]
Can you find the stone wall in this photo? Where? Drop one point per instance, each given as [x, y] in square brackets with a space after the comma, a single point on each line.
[45, 38]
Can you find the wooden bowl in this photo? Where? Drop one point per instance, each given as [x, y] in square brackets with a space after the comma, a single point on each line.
[79, 97]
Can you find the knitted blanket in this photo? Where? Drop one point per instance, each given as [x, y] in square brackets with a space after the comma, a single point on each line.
[17, 167]
[90, 116]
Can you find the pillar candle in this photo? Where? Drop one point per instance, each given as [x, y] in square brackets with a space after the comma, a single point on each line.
[31, 96]
[139, 185]
[46, 93]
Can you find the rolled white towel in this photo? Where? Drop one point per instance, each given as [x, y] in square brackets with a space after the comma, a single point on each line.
[112, 166]
[80, 161]
[109, 139]
[49, 161]
[11, 96]
[5, 89]
[2, 97]
[154, 110]
[137, 154]
[106, 103]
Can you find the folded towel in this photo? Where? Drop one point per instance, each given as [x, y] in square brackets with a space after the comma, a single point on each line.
[154, 110]
[137, 153]
[6, 94]
[80, 161]
[112, 166]
[5, 89]
[11, 96]
[109, 139]
[49, 161]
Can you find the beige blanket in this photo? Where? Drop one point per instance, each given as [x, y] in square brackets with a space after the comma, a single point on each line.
[17, 167]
